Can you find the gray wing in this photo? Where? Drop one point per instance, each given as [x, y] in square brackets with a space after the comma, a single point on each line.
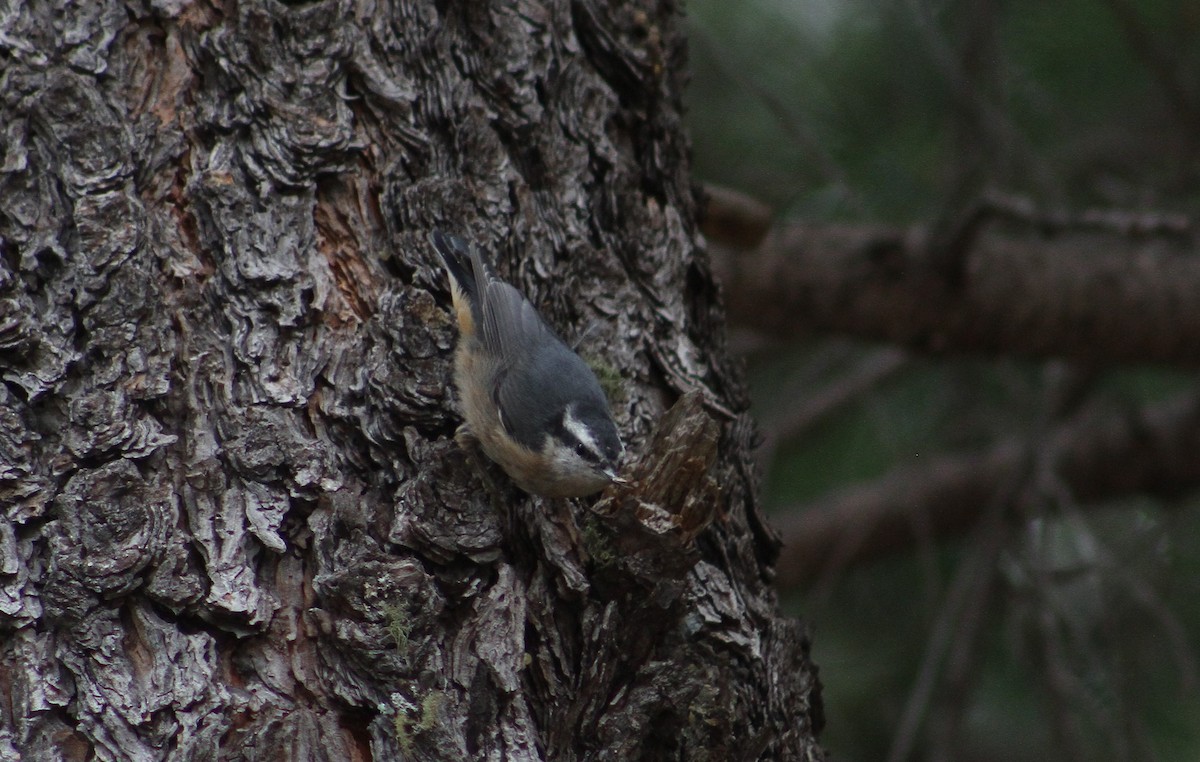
[532, 392]
[538, 373]
[512, 328]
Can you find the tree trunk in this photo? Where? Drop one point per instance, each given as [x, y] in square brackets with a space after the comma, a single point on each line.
[235, 523]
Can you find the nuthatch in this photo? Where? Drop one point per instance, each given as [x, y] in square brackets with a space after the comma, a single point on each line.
[535, 407]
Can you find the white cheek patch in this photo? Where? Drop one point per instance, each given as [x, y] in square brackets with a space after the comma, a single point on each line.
[579, 431]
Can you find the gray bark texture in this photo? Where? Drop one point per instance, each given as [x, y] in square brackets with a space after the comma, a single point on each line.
[235, 524]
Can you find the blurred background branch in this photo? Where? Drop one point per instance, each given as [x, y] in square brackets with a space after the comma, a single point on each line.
[1096, 297]
[1111, 452]
[958, 245]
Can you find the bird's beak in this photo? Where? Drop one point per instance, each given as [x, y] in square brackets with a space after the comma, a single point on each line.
[611, 473]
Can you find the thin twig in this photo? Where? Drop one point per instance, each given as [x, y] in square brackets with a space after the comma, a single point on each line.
[971, 580]
[788, 119]
[798, 418]
[1167, 71]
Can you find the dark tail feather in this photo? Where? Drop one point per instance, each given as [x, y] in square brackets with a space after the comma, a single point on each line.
[457, 256]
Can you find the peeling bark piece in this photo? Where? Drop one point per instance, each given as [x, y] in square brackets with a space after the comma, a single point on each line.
[669, 500]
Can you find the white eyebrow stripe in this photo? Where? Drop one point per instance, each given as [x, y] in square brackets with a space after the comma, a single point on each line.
[579, 431]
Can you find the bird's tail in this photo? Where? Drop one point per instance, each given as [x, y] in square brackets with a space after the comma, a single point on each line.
[459, 261]
[468, 273]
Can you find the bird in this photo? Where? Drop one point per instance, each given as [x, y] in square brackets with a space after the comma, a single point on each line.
[530, 402]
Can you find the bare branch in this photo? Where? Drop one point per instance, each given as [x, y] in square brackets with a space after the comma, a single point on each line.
[733, 218]
[1151, 450]
[1085, 296]
[1120, 221]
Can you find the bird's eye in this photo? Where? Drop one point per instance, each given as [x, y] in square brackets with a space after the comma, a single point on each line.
[582, 452]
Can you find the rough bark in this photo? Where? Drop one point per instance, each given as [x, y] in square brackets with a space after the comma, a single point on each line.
[235, 524]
